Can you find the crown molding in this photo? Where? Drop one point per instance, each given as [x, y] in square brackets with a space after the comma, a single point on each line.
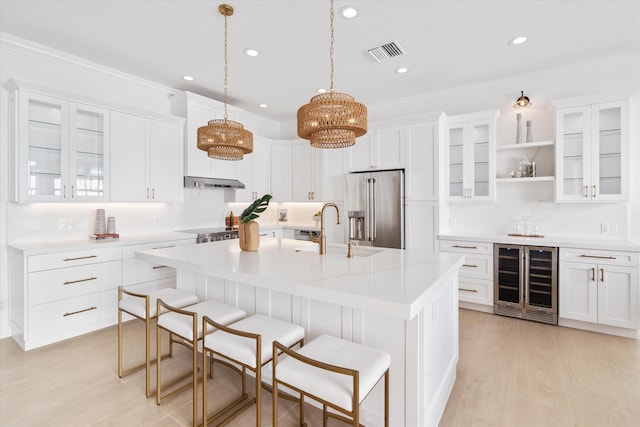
[44, 53]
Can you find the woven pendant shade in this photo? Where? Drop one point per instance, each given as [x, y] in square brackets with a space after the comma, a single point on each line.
[224, 139]
[332, 120]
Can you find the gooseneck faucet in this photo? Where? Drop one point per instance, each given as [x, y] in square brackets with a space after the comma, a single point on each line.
[323, 238]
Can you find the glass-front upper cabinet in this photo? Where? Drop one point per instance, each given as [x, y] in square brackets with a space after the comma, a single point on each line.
[59, 149]
[470, 150]
[592, 152]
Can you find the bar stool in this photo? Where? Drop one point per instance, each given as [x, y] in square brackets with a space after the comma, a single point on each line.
[335, 372]
[143, 306]
[187, 324]
[249, 343]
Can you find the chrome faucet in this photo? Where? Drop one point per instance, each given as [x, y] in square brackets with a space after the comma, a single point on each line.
[323, 238]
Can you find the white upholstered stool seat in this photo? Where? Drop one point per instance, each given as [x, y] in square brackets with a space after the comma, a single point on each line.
[186, 324]
[143, 306]
[248, 342]
[333, 371]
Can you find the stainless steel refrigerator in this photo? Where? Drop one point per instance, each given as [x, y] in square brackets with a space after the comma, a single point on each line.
[375, 205]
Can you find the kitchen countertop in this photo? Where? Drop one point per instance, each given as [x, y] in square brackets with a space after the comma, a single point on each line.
[393, 282]
[47, 247]
[554, 241]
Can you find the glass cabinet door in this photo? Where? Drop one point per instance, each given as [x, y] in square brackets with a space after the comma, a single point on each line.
[88, 131]
[607, 165]
[574, 162]
[44, 160]
[456, 162]
[481, 149]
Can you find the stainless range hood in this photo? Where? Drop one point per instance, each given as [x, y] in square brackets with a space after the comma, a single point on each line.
[219, 183]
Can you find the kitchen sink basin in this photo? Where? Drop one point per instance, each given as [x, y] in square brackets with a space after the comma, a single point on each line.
[340, 250]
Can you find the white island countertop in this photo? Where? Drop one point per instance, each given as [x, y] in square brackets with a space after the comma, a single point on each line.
[393, 282]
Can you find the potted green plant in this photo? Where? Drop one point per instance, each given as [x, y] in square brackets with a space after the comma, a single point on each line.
[248, 229]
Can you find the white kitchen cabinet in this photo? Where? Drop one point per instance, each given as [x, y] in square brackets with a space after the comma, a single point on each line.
[599, 287]
[307, 166]
[379, 149]
[59, 147]
[198, 110]
[281, 172]
[147, 158]
[475, 282]
[421, 225]
[592, 152]
[60, 295]
[254, 171]
[421, 173]
[470, 157]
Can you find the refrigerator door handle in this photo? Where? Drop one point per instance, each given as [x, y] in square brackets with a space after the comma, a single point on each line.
[525, 258]
[372, 201]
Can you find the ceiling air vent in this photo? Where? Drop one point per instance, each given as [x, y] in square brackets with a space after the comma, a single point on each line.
[386, 51]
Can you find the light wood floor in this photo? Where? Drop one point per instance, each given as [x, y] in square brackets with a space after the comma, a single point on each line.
[510, 373]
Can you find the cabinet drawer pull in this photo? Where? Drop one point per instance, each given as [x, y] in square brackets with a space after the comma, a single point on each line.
[595, 191]
[155, 267]
[80, 257]
[470, 265]
[586, 191]
[78, 281]
[602, 275]
[593, 274]
[468, 290]
[598, 256]
[465, 247]
[79, 311]
[163, 247]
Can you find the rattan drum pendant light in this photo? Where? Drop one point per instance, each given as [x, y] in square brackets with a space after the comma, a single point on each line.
[332, 120]
[225, 139]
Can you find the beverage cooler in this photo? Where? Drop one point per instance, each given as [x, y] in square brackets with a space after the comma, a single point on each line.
[526, 282]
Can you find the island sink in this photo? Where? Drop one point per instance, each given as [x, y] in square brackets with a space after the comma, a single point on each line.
[340, 250]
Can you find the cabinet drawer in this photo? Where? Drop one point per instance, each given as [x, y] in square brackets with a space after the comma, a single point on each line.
[73, 258]
[476, 291]
[53, 285]
[466, 247]
[129, 251]
[594, 256]
[479, 266]
[68, 318]
[138, 271]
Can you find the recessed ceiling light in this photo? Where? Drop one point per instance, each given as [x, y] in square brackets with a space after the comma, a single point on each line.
[187, 78]
[518, 40]
[263, 105]
[402, 70]
[348, 12]
[251, 52]
[321, 90]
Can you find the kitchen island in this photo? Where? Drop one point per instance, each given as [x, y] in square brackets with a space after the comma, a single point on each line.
[402, 302]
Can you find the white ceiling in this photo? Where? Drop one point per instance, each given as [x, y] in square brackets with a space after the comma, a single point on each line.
[448, 43]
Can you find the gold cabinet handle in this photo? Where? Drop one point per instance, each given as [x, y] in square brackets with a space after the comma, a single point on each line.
[468, 290]
[470, 265]
[602, 275]
[155, 267]
[80, 257]
[79, 311]
[465, 247]
[79, 281]
[593, 274]
[598, 256]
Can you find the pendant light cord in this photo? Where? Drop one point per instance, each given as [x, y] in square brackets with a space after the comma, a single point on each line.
[331, 47]
[226, 68]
